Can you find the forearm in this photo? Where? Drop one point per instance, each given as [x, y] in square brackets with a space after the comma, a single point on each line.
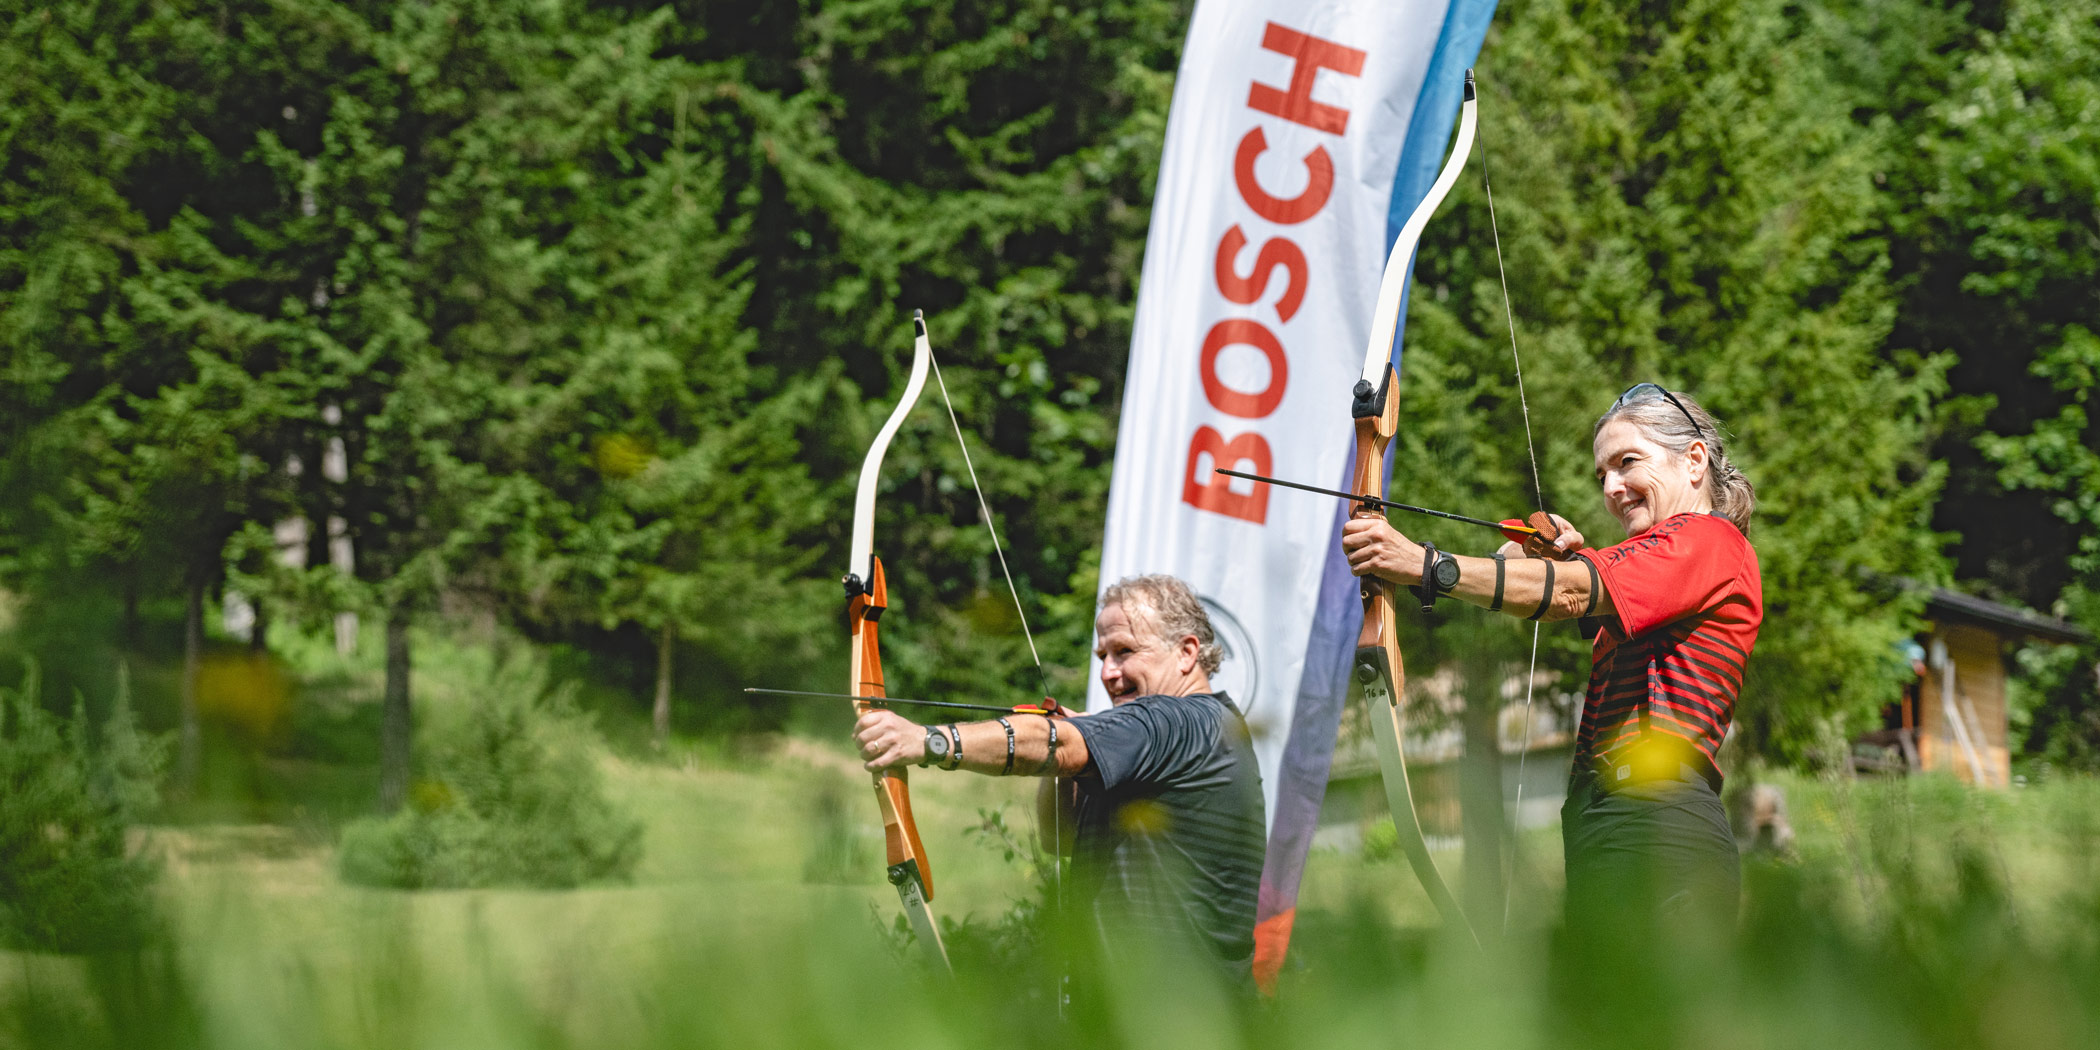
[1524, 582]
[984, 746]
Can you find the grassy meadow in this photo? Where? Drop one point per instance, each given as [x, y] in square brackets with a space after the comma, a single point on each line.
[1912, 913]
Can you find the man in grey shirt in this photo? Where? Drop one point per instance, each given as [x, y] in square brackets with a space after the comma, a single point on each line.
[1159, 797]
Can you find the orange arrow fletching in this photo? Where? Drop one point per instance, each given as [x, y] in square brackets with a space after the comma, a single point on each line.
[1516, 530]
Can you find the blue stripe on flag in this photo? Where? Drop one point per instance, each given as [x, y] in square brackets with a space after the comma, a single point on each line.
[1429, 131]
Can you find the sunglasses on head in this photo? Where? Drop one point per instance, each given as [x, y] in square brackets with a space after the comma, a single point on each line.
[1636, 393]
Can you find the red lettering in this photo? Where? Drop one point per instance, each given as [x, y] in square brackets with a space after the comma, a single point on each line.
[1276, 251]
[1309, 54]
[1239, 331]
[1204, 490]
[1319, 183]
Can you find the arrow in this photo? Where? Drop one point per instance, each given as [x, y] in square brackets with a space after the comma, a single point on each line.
[1514, 529]
[886, 701]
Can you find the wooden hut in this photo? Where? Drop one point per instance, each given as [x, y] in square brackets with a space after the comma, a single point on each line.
[1952, 716]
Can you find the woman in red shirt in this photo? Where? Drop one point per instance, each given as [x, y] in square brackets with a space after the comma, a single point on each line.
[1674, 611]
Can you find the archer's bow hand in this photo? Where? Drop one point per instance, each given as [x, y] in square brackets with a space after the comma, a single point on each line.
[1375, 547]
[888, 740]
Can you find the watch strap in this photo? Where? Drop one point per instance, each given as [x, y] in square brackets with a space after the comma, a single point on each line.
[1428, 589]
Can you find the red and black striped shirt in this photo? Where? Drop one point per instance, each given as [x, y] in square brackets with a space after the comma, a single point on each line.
[1688, 601]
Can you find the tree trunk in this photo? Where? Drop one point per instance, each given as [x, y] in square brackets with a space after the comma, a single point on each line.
[131, 609]
[189, 741]
[259, 633]
[1480, 785]
[395, 716]
[664, 645]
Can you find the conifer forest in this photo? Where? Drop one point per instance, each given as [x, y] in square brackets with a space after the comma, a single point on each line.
[421, 422]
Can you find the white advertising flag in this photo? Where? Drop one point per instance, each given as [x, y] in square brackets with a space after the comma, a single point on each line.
[1298, 129]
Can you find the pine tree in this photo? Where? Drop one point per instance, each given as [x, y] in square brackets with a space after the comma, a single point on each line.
[992, 165]
[1682, 198]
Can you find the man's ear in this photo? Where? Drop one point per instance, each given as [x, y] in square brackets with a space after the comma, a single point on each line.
[1191, 653]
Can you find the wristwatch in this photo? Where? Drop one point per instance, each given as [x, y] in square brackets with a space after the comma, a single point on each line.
[1446, 572]
[936, 748]
[1439, 575]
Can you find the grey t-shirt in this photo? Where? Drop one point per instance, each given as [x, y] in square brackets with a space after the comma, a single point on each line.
[1170, 827]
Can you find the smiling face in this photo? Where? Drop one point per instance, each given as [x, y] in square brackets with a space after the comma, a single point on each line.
[1136, 661]
[1645, 483]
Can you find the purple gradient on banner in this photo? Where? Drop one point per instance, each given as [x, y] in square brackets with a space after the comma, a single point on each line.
[1308, 753]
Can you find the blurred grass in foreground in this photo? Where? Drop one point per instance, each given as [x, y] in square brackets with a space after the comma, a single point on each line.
[1917, 914]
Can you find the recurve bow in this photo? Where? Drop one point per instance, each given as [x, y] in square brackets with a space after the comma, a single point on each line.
[867, 595]
[1375, 404]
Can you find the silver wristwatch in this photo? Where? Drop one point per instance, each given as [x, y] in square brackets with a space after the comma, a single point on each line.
[936, 748]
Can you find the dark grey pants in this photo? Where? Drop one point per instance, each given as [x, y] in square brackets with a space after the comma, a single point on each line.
[1649, 857]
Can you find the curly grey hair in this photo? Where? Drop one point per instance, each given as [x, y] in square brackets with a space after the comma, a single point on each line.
[1174, 611]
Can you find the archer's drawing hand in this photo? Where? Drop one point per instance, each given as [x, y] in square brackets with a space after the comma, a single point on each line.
[1556, 539]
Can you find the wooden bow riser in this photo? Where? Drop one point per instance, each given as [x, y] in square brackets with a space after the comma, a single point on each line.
[1378, 671]
[904, 853]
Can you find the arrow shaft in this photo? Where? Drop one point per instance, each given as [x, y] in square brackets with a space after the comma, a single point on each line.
[1376, 501]
[882, 701]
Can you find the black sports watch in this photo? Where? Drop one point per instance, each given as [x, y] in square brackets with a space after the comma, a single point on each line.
[1446, 572]
[1439, 575]
[936, 748]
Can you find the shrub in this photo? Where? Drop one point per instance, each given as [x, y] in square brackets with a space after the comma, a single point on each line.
[70, 878]
[512, 796]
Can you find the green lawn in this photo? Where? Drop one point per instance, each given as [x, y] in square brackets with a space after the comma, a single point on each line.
[1916, 913]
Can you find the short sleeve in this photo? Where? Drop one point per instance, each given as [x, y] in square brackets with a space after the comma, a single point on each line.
[1144, 741]
[1685, 565]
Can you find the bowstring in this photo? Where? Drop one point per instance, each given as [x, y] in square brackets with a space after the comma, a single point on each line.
[984, 511]
[1538, 489]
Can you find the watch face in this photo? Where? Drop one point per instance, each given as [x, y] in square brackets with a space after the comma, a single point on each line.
[936, 743]
[1446, 573]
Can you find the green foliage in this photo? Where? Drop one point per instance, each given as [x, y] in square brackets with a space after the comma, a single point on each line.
[943, 159]
[511, 795]
[1026, 940]
[1997, 245]
[71, 876]
[1719, 233]
[2004, 243]
[1918, 913]
[601, 306]
[2061, 455]
[2053, 700]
